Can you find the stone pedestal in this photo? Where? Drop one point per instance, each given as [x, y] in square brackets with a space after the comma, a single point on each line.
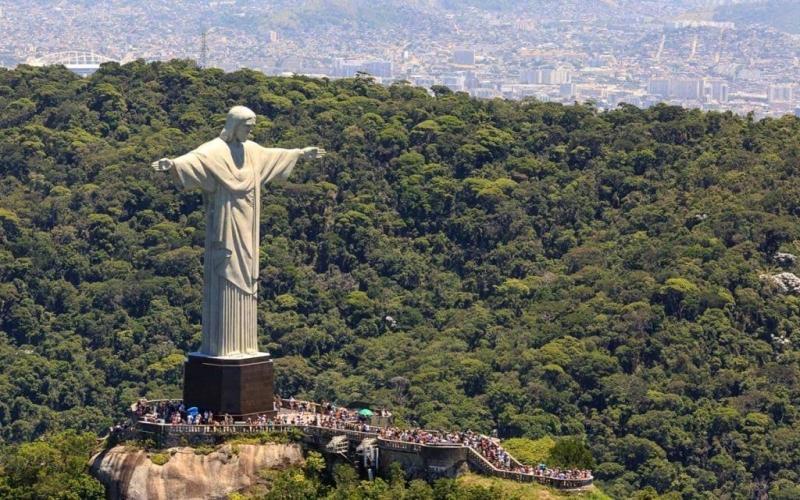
[240, 387]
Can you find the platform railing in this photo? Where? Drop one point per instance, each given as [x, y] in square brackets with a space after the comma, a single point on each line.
[351, 434]
[399, 445]
[474, 457]
[221, 429]
[477, 460]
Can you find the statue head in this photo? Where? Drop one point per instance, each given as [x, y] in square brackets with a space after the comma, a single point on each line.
[238, 124]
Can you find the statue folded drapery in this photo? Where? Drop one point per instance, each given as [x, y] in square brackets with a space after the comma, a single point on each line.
[230, 171]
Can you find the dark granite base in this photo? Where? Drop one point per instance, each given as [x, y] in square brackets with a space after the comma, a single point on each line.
[238, 387]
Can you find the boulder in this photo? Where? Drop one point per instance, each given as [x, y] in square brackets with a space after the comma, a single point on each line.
[784, 282]
[784, 259]
[131, 474]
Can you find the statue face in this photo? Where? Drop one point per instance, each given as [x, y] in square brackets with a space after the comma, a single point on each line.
[243, 129]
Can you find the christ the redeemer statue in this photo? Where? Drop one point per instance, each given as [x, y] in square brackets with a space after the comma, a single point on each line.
[230, 171]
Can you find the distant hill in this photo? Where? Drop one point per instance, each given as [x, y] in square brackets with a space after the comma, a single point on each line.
[783, 15]
[394, 14]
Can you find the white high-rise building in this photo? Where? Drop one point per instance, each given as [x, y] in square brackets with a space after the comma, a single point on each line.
[658, 87]
[780, 93]
[456, 83]
[351, 67]
[568, 90]
[464, 57]
[719, 90]
[686, 89]
[381, 69]
[546, 76]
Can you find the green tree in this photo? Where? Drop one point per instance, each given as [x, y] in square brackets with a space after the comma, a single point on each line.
[571, 452]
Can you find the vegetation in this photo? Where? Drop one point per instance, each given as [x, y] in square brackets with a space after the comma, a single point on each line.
[204, 449]
[512, 490]
[530, 451]
[312, 482]
[160, 458]
[294, 435]
[549, 270]
[571, 453]
[53, 466]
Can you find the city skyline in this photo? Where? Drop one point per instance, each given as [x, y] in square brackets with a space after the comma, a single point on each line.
[692, 53]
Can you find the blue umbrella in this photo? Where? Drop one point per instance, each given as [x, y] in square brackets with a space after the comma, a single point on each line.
[193, 410]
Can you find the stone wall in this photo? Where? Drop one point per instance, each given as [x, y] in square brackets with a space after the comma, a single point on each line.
[423, 462]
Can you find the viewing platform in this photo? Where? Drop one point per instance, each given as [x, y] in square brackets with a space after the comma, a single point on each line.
[369, 441]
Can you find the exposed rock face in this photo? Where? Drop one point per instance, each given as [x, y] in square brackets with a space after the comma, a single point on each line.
[784, 259]
[130, 474]
[785, 282]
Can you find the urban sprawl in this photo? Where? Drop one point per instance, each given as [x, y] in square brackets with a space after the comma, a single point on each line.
[641, 56]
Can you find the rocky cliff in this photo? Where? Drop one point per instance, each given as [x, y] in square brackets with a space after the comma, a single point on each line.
[134, 474]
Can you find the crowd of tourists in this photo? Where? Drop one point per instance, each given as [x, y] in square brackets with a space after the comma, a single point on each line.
[489, 448]
[324, 408]
[330, 416]
[176, 413]
[299, 413]
[556, 473]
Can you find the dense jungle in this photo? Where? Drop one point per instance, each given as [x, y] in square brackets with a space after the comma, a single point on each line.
[544, 270]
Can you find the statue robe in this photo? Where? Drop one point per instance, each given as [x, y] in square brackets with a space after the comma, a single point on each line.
[231, 186]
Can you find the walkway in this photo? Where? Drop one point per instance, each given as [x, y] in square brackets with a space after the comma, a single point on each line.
[356, 433]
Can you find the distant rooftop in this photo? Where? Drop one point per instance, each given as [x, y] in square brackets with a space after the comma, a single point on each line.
[83, 63]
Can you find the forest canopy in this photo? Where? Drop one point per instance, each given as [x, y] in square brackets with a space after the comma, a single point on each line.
[539, 269]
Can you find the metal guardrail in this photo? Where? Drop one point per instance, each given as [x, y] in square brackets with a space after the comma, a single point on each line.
[481, 463]
[415, 447]
[221, 429]
[443, 445]
[351, 434]
[399, 445]
[245, 428]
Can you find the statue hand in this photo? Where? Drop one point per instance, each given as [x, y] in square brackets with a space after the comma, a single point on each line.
[162, 165]
[313, 152]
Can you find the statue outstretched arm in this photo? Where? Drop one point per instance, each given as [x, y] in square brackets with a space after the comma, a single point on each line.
[313, 153]
[162, 165]
[277, 163]
[187, 171]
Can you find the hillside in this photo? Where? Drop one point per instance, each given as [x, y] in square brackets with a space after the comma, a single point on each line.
[783, 15]
[512, 490]
[548, 270]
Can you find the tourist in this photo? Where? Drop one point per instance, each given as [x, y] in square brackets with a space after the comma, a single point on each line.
[328, 415]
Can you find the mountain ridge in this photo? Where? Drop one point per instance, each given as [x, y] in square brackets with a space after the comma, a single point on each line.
[549, 270]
